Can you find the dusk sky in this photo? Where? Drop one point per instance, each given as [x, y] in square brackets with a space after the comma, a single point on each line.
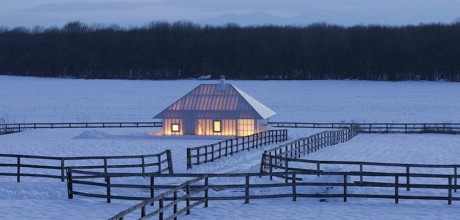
[139, 12]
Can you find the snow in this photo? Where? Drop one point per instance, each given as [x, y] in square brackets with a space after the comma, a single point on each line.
[395, 148]
[25, 99]
[263, 110]
[312, 209]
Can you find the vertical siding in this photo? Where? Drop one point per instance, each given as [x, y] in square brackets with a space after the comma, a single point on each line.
[206, 127]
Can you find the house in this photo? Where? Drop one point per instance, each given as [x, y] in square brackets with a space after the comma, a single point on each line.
[215, 109]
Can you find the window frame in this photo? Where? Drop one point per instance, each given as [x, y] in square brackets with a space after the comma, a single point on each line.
[172, 127]
[214, 126]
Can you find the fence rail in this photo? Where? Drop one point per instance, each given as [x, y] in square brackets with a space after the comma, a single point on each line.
[40, 166]
[212, 152]
[444, 128]
[18, 127]
[250, 186]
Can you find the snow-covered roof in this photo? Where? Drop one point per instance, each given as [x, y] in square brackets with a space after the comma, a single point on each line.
[210, 101]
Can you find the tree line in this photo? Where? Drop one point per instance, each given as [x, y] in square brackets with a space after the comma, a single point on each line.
[162, 50]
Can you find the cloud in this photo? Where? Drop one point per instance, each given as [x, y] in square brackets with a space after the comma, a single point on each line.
[139, 12]
[93, 5]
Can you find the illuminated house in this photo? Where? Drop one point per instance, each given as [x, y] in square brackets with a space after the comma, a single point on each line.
[215, 109]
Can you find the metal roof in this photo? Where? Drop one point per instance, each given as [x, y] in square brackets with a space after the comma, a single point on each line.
[210, 101]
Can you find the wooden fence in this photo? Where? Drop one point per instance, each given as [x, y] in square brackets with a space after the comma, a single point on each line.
[310, 144]
[443, 128]
[161, 210]
[250, 186]
[39, 166]
[13, 128]
[271, 163]
[212, 152]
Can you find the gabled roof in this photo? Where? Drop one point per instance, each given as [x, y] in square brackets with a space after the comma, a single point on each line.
[208, 101]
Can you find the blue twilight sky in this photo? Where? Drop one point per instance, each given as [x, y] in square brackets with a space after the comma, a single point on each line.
[245, 12]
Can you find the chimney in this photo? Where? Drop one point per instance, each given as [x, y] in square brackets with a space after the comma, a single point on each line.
[222, 79]
[222, 85]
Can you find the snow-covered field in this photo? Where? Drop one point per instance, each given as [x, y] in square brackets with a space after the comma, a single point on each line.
[62, 100]
[59, 100]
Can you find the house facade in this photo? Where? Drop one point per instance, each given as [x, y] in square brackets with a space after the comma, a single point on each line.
[215, 109]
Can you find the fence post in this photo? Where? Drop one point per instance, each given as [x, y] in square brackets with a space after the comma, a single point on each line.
[206, 153]
[226, 147]
[212, 152]
[345, 187]
[189, 159]
[271, 165]
[175, 204]
[286, 170]
[361, 173]
[108, 189]
[69, 184]
[246, 190]
[396, 189]
[143, 165]
[170, 162]
[455, 179]
[161, 207]
[152, 191]
[236, 144]
[262, 163]
[206, 190]
[265, 139]
[187, 201]
[407, 178]
[294, 189]
[318, 168]
[105, 165]
[62, 170]
[450, 191]
[198, 156]
[231, 147]
[245, 142]
[18, 179]
[220, 149]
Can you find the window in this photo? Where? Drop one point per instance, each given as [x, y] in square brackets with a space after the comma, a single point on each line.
[217, 126]
[175, 128]
[246, 127]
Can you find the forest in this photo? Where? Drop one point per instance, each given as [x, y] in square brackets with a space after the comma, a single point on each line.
[183, 50]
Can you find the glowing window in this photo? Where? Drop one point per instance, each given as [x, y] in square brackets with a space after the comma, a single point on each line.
[175, 128]
[217, 126]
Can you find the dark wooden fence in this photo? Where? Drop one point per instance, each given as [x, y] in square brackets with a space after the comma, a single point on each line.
[212, 152]
[272, 163]
[302, 146]
[242, 188]
[443, 128]
[162, 209]
[39, 166]
[13, 128]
